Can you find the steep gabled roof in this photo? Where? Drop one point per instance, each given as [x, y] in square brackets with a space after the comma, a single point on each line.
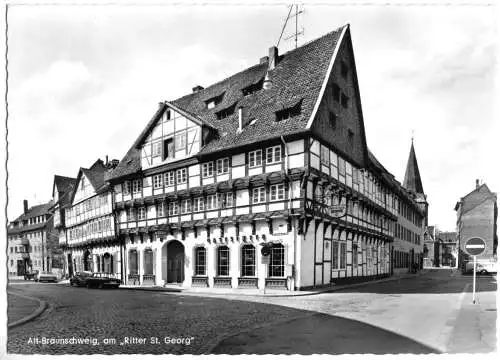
[95, 174]
[475, 198]
[33, 211]
[64, 185]
[297, 77]
[412, 180]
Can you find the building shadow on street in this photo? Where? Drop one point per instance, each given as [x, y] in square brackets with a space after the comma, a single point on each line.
[320, 334]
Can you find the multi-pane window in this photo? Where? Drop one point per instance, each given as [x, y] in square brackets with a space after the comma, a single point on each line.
[181, 176]
[223, 261]
[255, 158]
[198, 204]
[157, 181]
[228, 199]
[222, 166]
[208, 169]
[168, 149]
[170, 178]
[277, 192]
[200, 261]
[354, 255]
[136, 186]
[211, 202]
[186, 206]
[126, 188]
[273, 154]
[335, 254]
[248, 260]
[325, 155]
[343, 248]
[341, 166]
[277, 261]
[130, 214]
[258, 195]
[157, 149]
[180, 141]
[173, 208]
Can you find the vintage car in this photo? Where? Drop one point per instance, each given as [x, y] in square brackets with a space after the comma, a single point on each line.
[31, 275]
[80, 278]
[101, 280]
[483, 267]
[46, 276]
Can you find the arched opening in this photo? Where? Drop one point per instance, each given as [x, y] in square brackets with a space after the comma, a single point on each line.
[200, 261]
[107, 263]
[248, 260]
[133, 263]
[175, 262]
[87, 261]
[223, 261]
[277, 261]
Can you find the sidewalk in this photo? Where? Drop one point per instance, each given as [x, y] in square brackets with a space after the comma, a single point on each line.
[22, 309]
[266, 292]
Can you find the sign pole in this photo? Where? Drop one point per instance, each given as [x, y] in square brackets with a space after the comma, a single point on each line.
[474, 282]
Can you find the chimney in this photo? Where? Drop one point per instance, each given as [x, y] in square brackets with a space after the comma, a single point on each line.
[477, 183]
[25, 203]
[268, 83]
[263, 60]
[106, 160]
[273, 57]
[197, 88]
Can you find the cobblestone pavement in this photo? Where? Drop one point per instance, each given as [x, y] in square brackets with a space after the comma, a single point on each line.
[116, 314]
[427, 309]
[420, 314]
[19, 307]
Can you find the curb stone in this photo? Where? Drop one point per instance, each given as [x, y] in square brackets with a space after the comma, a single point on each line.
[41, 308]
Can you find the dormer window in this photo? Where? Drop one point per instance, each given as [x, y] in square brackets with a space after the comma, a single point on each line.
[289, 112]
[224, 113]
[253, 88]
[214, 101]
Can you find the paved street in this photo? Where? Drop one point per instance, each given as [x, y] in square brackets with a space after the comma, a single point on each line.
[429, 313]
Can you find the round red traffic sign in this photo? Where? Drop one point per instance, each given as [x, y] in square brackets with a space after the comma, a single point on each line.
[475, 246]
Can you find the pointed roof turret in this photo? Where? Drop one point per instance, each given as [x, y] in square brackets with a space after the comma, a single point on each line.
[412, 180]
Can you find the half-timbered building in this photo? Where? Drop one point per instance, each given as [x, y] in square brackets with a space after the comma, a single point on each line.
[272, 157]
[91, 244]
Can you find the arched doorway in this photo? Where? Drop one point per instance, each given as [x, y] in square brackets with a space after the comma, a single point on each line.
[173, 262]
[107, 263]
[87, 261]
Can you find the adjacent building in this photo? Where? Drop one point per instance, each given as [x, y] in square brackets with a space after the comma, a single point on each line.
[477, 214]
[274, 160]
[88, 235]
[440, 248]
[62, 190]
[32, 240]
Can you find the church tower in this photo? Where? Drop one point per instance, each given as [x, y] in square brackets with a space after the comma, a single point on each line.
[413, 183]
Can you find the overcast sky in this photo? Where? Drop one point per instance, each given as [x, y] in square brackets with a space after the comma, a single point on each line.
[85, 80]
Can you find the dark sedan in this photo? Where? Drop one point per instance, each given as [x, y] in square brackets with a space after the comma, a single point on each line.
[80, 278]
[101, 280]
[31, 275]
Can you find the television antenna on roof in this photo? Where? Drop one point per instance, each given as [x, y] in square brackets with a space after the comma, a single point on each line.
[298, 11]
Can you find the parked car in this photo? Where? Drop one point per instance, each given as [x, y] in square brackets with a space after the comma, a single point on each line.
[31, 275]
[46, 276]
[101, 280]
[483, 267]
[80, 278]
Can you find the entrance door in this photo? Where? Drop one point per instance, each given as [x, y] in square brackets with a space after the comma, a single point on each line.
[87, 261]
[175, 262]
[70, 265]
[20, 267]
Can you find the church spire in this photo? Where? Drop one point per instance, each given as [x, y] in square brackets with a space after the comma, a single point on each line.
[412, 180]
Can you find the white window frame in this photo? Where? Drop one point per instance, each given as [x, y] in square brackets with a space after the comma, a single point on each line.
[198, 204]
[257, 158]
[169, 178]
[222, 166]
[127, 187]
[173, 208]
[186, 206]
[207, 169]
[158, 181]
[211, 203]
[273, 150]
[277, 192]
[160, 210]
[181, 175]
[136, 186]
[259, 194]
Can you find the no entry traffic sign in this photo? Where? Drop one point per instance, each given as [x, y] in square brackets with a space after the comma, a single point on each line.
[475, 246]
